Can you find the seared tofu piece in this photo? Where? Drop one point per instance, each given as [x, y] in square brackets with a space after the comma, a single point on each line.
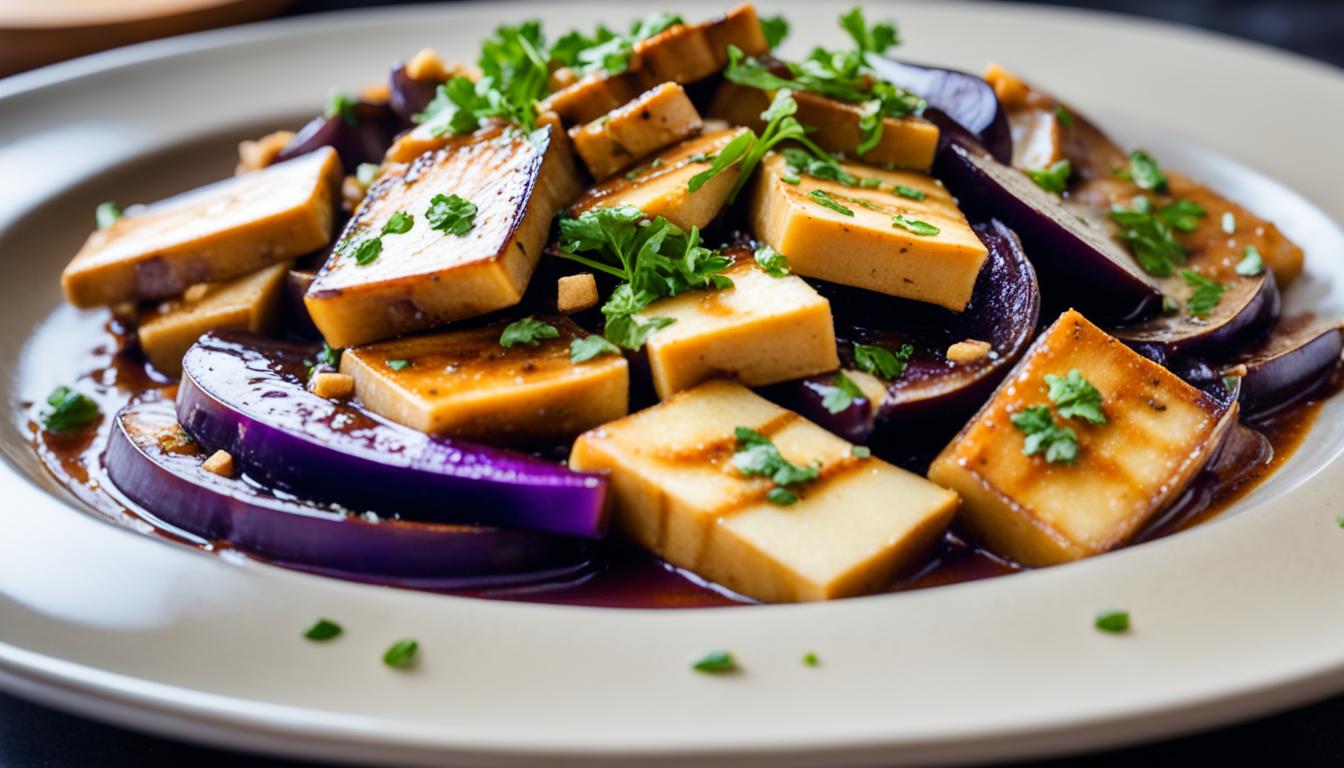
[741, 27]
[592, 96]
[763, 330]
[215, 233]
[659, 117]
[1159, 433]
[660, 187]
[248, 303]
[426, 277]
[677, 493]
[575, 293]
[907, 142]
[852, 236]
[464, 384]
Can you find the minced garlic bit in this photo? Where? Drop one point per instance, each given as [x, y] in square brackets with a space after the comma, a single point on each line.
[220, 463]
[255, 155]
[333, 386]
[968, 351]
[576, 293]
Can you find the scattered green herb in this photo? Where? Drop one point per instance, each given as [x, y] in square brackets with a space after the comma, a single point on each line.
[1144, 171]
[1114, 622]
[368, 251]
[826, 201]
[605, 50]
[341, 105]
[399, 224]
[1063, 115]
[1183, 215]
[775, 29]
[1206, 295]
[1149, 238]
[69, 411]
[529, 331]
[861, 452]
[914, 226]
[842, 394]
[756, 456]
[322, 629]
[1053, 178]
[882, 362]
[909, 193]
[328, 356]
[1251, 263]
[1043, 435]
[106, 214]
[515, 70]
[1230, 383]
[585, 349]
[810, 659]
[1075, 397]
[451, 214]
[773, 262]
[402, 653]
[716, 662]
[397, 365]
[641, 170]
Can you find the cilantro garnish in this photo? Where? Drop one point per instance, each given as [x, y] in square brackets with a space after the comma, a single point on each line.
[341, 105]
[882, 362]
[605, 50]
[329, 356]
[1183, 215]
[322, 630]
[69, 411]
[756, 456]
[914, 226]
[402, 653]
[1144, 171]
[368, 251]
[1043, 435]
[775, 29]
[1063, 116]
[715, 662]
[515, 69]
[399, 224]
[842, 393]
[585, 349]
[106, 214]
[529, 331]
[826, 201]
[1053, 178]
[773, 262]
[821, 166]
[1075, 397]
[1251, 263]
[451, 214]
[1206, 295]
[1149, 237]
[1113, 622]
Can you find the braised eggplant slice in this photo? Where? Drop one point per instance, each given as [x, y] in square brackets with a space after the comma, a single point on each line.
[1246, 310]
[246, 395]
[157, 466]
[966, 99]
[1290, 364]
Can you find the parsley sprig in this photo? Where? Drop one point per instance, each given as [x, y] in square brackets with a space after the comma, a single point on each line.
[653, 259]
[1054, 177]
[515, 68]
[70, 411]
[1149, 237]
[841, 394]
[1205, 296]
[1075, 397]
[882, 362]
[757, 456]
[1043, 435]
[607, 51]
[528, 331]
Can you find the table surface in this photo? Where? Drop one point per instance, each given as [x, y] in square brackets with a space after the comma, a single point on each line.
[36, 737]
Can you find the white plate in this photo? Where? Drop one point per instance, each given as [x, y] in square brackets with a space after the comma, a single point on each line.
[1233, 619]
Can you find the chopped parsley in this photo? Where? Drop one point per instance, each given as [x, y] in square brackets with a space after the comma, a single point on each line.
[861, 452]
[451, 214]
[69, 411]
[322, 630]
[341, 105]
[402, 653]
[1043, 435]
[329, 356]
[1251, 263]
[1063, 115]
[1149, 237]
[1183, 215]
[368, 251]
[914, 226]
[1075, 397]
[775, 29]
[399, 224]
[909, 193]
[882, 362]
[715, 662]
[397, 365]
[1113, 622]
[607, 51]
[1229, 223]
[842, 393]
[810, 659]
[654, 259]
[529, 331]
[589, 347]
[106, 214]
[756, 456]
[773, 262]
[1054, 177]
[826, 201]
[1206, 294]
[1144, 171]
[635, 173]
[822, 167]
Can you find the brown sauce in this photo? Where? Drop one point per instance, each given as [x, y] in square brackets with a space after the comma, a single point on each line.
[618, 575]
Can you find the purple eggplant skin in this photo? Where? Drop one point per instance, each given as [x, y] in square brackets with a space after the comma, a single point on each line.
[245, 394]
[171, 486]
[1292, 363]
[408, 97]
[1242, 317]
[964, 98]
[361, 137]
[294, 312]
[1075, 258]
[1003, 311]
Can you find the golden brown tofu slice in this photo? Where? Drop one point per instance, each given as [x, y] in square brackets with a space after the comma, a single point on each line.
[658, 118]
[907, 142]
[592, 96]
[215, 233]
[426, 277]
[851, 235]
[677, 493]
[1159, 433]
[741, 27]
[248, 303]
[763, 330]
[465, 384]
[660, 187]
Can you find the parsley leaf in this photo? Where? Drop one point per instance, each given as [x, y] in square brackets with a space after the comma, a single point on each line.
[1113, 622]
[1053, 178]
[399, 224]
[726, 157]
[773, 262]
[909, 193]
[775, 29]
[1075, 397]
[1251, 263]
[322, 630]
[882, 362]
[515, 69]
[716, 662]
[529, 331]
[402, 653]
[842, 394]
[1144, 171]
[69, 411]
[1063, 116]
[914, 226]
[1183, 215]
[822, 167]
[757, 456]
[1206, 295]
[1043, 435]
[341, 105]
[329, 356]
[368, 251]
[585, 349]
[605, 50]
[397, 365]
[1148, 237]
[826, 201]
[451, 214]
[875, 39]
[106, 214]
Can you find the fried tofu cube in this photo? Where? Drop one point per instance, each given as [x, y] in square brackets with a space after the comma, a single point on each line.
[763, 330]
[906, 142]
[334, 386]
[659, 117]
[575, 293]
[592, 96]
[248, 303]
[659, 189]
[426, 277]
[464, 384]
[678, 54]
[741, 27]
[1159, 433]
[677, 493]
[218, 232]
[850, 235]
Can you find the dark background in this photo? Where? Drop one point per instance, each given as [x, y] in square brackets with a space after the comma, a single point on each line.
[36, 737]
